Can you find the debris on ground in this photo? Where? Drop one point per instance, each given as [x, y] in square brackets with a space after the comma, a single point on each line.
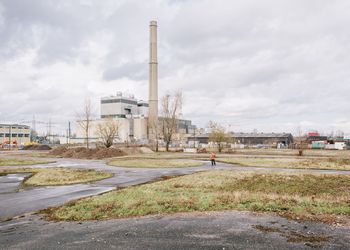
[37, 147]
[202, 150]
[95, 153]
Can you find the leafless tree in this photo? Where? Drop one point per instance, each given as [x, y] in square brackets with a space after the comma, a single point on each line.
[154, 132]
[218, 135]
[300, 141]
[107, 131]
[84, 119]
[170, 111]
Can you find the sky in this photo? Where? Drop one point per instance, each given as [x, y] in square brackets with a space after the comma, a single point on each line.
[270, 66]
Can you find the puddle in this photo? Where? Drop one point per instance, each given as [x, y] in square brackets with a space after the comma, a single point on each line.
[70, 164]
[308, 238]
[15, 176]
[10, 182]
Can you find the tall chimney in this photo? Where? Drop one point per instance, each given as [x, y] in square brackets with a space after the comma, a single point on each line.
[153, 79]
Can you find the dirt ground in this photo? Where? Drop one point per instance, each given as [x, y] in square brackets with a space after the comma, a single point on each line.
[97, 153]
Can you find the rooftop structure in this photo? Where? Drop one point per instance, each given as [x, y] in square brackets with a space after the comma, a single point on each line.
[122, 106]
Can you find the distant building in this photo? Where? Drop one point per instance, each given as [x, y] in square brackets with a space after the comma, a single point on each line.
[120, 106]
[315, 137]
[132, 117]
[252, 139]
[14, 134]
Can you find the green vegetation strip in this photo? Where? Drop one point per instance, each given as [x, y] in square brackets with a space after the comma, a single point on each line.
[316, 163]
[154, 163]
[293, 195]
[20, 162]
[57, 176]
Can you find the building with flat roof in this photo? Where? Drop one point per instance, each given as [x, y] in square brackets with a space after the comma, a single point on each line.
[121, 106]
[14, 134]
[131, 116]
[251, 139]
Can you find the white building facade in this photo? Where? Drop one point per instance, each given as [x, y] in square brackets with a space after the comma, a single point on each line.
[14, 134]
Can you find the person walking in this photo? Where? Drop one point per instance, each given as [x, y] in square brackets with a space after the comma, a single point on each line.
[212, 159]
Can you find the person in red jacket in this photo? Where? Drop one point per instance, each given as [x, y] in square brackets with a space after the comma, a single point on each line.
[212, 159]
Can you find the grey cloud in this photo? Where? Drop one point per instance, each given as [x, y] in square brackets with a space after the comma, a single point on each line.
[262, 64]
[133, 71]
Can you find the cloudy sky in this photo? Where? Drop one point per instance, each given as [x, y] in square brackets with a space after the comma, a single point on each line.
[249, 64]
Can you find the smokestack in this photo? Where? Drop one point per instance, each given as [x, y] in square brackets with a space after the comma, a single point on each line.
[153, 77]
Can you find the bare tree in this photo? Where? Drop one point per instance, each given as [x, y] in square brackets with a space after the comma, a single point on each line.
[107, 131]
[301, 142]
[153, 128]
[84, 119]
[218, 135]
[171, 109]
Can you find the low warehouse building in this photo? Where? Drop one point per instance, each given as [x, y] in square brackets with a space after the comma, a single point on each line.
[14, 134]
[251, 139]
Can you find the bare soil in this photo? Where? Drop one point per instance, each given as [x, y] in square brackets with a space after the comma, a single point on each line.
[87, 153]
[97, 153]
[37, 147]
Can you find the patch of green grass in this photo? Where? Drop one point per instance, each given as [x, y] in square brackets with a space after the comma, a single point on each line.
[154, 163]
[57, 176]
[303, 163]
[21, 162]
[293, 194]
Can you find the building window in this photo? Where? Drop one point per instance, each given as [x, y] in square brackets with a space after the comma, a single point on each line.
[20, 135]
[26, 135]
[14, 135]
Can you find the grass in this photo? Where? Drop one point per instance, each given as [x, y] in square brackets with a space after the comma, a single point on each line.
[315, 197]
[20, 162]
[283, 162]
[57, 176]
[154, 163]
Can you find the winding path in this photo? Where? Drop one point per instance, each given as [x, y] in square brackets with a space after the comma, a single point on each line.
[13, 203]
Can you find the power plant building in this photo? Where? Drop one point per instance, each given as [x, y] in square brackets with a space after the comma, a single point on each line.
[120, 106]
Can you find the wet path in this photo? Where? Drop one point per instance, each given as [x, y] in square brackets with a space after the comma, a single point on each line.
[13, 203]
[210, 230]
[11, 182]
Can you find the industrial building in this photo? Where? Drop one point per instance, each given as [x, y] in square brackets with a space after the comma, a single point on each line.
[250, 139]
[315, 136]
[14, 134]
[132, 118]
[123, 106]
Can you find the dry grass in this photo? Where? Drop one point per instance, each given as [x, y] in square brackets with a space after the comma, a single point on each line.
[20, 161]
[284, 162]
[57, 176]
[298, 195]
[153, 163]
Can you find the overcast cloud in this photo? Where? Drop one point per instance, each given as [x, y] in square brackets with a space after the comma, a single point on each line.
[249, 64]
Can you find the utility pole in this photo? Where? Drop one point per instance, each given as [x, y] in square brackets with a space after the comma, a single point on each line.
[34, 123]
[49, 130]
[10, 136]
[69, 132]
[194, 143]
